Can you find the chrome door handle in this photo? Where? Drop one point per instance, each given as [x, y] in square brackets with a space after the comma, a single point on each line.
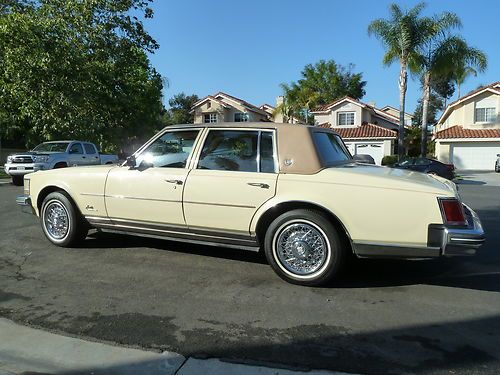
[177, 182]
[259, 184]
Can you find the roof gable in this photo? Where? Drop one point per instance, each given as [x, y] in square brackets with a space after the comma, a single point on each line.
[493, 88]
[228, 101]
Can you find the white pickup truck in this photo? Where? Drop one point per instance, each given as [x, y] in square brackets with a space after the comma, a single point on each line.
[50, 155]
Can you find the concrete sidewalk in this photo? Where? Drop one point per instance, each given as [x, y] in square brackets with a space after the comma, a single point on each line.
[25, 350]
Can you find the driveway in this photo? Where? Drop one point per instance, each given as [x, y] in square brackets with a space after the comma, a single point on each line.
[478, 178]
[383, 317]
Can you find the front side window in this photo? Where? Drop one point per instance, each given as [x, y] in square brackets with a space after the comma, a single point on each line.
[330, 148]
[486, 115]
[346, 118]
[241, 117]
[171, 150]
[76, 148]
[230, 150]
[209, 118]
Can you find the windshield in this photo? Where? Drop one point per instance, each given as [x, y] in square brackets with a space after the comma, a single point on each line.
[330, 148]
[52, 147]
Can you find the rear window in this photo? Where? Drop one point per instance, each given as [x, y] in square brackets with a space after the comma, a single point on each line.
[330, 148]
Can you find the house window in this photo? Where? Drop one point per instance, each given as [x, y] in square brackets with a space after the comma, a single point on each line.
[346, 118]
[486, 115]
[241, 117]
[209, 118]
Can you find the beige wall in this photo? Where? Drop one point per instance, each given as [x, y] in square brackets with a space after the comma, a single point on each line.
[442, 151]
[463, 113]
[395, 112]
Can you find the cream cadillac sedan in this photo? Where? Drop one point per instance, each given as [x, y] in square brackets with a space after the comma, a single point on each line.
[292, 190]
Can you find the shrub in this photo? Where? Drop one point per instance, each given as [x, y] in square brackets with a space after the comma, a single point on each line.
[389, 160]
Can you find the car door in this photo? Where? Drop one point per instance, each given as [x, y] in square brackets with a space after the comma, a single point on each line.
[235, 174]
[76, 156]
[91, 154]
[151, 192]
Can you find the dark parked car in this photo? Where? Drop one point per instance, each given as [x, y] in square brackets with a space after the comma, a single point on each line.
[427, 165]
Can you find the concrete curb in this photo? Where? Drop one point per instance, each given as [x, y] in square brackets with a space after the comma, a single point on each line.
[25, 350]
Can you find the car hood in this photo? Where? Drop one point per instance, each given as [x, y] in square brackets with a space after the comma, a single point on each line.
[389, 178]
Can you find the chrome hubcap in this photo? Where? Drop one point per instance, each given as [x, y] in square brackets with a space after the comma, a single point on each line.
[301, 248]
[56, 220]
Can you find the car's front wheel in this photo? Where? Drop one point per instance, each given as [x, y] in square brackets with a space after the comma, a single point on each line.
[303, 247]
[61, 221]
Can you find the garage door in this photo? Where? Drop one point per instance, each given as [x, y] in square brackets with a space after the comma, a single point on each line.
[375, 150]
[479, 156]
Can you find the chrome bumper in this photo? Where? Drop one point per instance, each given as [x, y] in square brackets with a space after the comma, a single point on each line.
[25, 202]
[463, 241]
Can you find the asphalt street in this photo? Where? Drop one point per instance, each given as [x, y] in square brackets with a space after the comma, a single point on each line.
[382, 317]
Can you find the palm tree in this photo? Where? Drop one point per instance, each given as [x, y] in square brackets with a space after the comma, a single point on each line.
[461, 74]
[401, 34]
[441, 55]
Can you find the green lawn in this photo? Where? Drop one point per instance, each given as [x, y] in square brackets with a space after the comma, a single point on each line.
[3, 174]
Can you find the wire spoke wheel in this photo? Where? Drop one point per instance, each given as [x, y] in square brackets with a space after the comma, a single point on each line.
[56, 220]
[302, 248]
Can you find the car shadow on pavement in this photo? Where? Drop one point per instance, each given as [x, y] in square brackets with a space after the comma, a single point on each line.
[480, 272]
[98, 240]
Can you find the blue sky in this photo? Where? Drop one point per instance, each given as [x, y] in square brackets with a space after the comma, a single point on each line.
[247, 48]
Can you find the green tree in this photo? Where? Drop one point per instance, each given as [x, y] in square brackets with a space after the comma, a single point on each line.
[462, 72]
[180, 109]
[401, 34]
[439, 57]
[435, 105]
[320, 84]
[78, 69]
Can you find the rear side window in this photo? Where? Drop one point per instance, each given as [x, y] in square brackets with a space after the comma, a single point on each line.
[330, 148]
[89, 148]
[230, 150]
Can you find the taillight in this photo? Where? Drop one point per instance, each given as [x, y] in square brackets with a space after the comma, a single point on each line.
[452, 211]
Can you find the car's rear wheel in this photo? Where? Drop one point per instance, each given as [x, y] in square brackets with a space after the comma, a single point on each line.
[303, 247]
[61, 222]
[18, 180]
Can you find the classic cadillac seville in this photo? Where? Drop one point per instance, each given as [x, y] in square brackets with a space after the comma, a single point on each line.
[292, 190]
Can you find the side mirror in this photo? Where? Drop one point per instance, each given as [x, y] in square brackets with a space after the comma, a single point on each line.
[131, 162]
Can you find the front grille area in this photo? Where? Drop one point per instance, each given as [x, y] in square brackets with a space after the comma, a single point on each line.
[22, 159]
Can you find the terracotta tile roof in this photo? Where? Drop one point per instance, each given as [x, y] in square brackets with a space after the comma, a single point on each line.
[459, 132]
[364, 131]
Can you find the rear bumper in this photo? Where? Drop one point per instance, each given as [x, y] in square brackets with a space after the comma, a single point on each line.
[442, 241]
[463, 241]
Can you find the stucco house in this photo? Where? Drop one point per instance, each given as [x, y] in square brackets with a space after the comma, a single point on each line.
[468, 132]
[395, 113]
[364, 128]
[223, 107]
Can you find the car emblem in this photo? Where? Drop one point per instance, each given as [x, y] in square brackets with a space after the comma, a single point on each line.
[288, 162]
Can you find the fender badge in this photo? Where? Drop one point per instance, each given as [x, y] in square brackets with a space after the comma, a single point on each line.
[288, 162]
